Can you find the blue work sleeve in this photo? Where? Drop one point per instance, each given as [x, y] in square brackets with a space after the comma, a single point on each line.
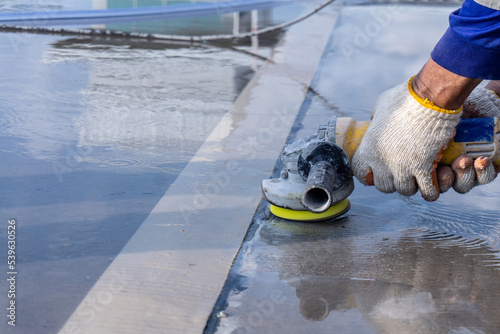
[471, 45]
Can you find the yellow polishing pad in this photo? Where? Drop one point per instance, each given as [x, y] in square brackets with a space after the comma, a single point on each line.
[334, 211]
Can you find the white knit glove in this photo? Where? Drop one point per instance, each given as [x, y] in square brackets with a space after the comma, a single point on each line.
[405, 139]
[469, 173]
[482, 103]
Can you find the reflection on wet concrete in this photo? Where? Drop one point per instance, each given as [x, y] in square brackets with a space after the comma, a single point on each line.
[124, 95]
[372, 271]
[47, 5]
[234, 23]
[94, 131]
[411, 284]
[391, 264]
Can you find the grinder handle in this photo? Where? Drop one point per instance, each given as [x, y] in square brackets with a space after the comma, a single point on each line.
[474, 137]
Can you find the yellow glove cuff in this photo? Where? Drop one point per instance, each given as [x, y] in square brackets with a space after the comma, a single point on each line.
[426, 103]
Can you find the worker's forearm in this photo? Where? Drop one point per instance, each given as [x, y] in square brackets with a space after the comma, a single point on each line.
[442, 87]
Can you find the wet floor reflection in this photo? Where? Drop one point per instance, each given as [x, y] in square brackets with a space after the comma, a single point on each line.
[47, 5]
[117, 94]
[94, 131]
[411, 284]
[231, 23]
[369, 273]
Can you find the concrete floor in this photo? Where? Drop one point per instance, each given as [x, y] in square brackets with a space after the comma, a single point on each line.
[133, 171]
[93, 135]
[95, 131]
[391, 264]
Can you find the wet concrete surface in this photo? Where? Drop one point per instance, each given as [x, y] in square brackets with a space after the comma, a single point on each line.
[94, 130]
[391, 264]
[50, 5]
[87, 155]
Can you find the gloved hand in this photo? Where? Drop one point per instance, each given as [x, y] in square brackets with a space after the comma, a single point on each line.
[405, 139]
[466, 173]
[482, 102]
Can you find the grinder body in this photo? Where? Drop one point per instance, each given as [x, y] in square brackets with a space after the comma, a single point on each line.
[316, 178]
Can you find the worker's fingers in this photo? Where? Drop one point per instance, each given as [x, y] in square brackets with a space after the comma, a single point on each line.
[384, 181]
[361, 170]
[405, 186]
[465, 175]
[468, 173]
[427, 183]
[485, 172]
[446, 178]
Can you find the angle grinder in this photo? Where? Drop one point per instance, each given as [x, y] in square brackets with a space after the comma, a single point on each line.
[316, 178]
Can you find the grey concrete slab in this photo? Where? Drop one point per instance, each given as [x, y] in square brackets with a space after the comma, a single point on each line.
[94, 131]
[392, 264]
[175, 265]
[77, 185]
